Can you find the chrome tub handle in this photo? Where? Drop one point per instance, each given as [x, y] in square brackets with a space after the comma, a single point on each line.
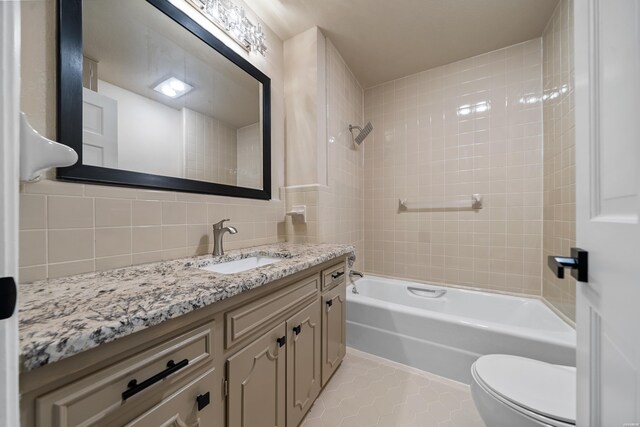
[427, 293]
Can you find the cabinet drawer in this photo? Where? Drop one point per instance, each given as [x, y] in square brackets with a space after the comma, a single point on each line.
[333, 275]
[91, 399]
[249, 318]
[191, 405]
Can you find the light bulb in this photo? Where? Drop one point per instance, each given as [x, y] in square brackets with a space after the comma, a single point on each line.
[177, 85]
[167, 90]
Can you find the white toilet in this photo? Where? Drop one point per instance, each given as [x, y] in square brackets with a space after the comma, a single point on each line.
[512, 391]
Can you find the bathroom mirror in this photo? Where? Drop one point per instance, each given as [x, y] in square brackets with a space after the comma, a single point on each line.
[149, 98]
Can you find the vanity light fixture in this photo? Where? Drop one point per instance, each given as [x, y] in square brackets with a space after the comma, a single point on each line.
[173, 87]
[231, 19]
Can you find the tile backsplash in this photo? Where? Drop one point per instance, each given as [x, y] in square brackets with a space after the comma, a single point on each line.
[559, 155]
[68, 228]
[473, 126]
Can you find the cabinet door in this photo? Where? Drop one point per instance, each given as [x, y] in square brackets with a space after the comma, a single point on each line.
[190, 406]
[303, 362]
[334, 347]
[257, 381]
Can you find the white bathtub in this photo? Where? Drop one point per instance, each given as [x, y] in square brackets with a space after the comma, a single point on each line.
[446, 334]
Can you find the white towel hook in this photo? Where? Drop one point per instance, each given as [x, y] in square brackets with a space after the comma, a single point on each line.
[38, 153]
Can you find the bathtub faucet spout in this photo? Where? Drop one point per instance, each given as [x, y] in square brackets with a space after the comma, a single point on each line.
[355, 273]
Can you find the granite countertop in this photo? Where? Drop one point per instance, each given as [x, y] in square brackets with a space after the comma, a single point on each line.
[62, 317]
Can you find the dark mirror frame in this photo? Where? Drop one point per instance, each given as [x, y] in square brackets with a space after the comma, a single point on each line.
[69, 104]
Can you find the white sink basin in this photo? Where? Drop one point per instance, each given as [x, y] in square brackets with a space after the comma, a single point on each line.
[239, 265]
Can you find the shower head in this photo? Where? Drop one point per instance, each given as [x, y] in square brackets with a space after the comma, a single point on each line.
[362, 132]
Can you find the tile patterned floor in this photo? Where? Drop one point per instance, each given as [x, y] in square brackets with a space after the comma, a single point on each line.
[371, 391]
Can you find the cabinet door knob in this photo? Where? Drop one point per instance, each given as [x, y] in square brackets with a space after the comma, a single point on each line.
[203, 401]
[297, 329]
[329, 303]
[281, 341]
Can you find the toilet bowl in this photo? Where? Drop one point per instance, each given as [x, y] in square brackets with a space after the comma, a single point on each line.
[516, 391]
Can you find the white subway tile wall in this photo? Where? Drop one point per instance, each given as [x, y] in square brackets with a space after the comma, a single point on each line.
[473, 126]
[559, 154]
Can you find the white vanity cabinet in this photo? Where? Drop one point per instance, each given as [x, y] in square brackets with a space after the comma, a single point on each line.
[258, 359]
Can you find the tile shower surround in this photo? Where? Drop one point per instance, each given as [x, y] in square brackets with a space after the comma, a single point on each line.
[210, 148]
[473, 126]
[559, 231]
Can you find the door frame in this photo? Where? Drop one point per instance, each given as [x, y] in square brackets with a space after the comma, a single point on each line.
[9, 201]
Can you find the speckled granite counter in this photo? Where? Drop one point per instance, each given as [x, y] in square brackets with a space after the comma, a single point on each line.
[62, 317]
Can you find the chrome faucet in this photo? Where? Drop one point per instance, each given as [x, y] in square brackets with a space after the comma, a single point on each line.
[218, 232]
[355, 273]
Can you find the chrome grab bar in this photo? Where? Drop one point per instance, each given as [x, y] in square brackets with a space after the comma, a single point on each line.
[427, 293]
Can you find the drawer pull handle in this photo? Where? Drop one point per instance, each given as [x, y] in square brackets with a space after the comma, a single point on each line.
[203, 400]
[336, 275]
[135, 388]
[297, 329]
[281, 341]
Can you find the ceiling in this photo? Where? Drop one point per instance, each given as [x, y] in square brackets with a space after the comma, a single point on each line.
[137, 47]
[382, 40]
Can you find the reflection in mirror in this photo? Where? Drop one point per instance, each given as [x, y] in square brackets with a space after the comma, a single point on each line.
[158, 100]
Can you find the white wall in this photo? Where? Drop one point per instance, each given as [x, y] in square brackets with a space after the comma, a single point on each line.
[305, 108]
[150, 137]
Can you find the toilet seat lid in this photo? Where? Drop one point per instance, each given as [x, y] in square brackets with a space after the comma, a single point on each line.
[546, 389]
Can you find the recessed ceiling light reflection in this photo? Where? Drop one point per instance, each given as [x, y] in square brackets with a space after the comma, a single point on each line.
[479, 107]
[464, 110]
[173, 87]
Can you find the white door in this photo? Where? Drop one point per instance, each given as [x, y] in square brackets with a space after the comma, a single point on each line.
[607, 107]
[99, 130]
[9, 187]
